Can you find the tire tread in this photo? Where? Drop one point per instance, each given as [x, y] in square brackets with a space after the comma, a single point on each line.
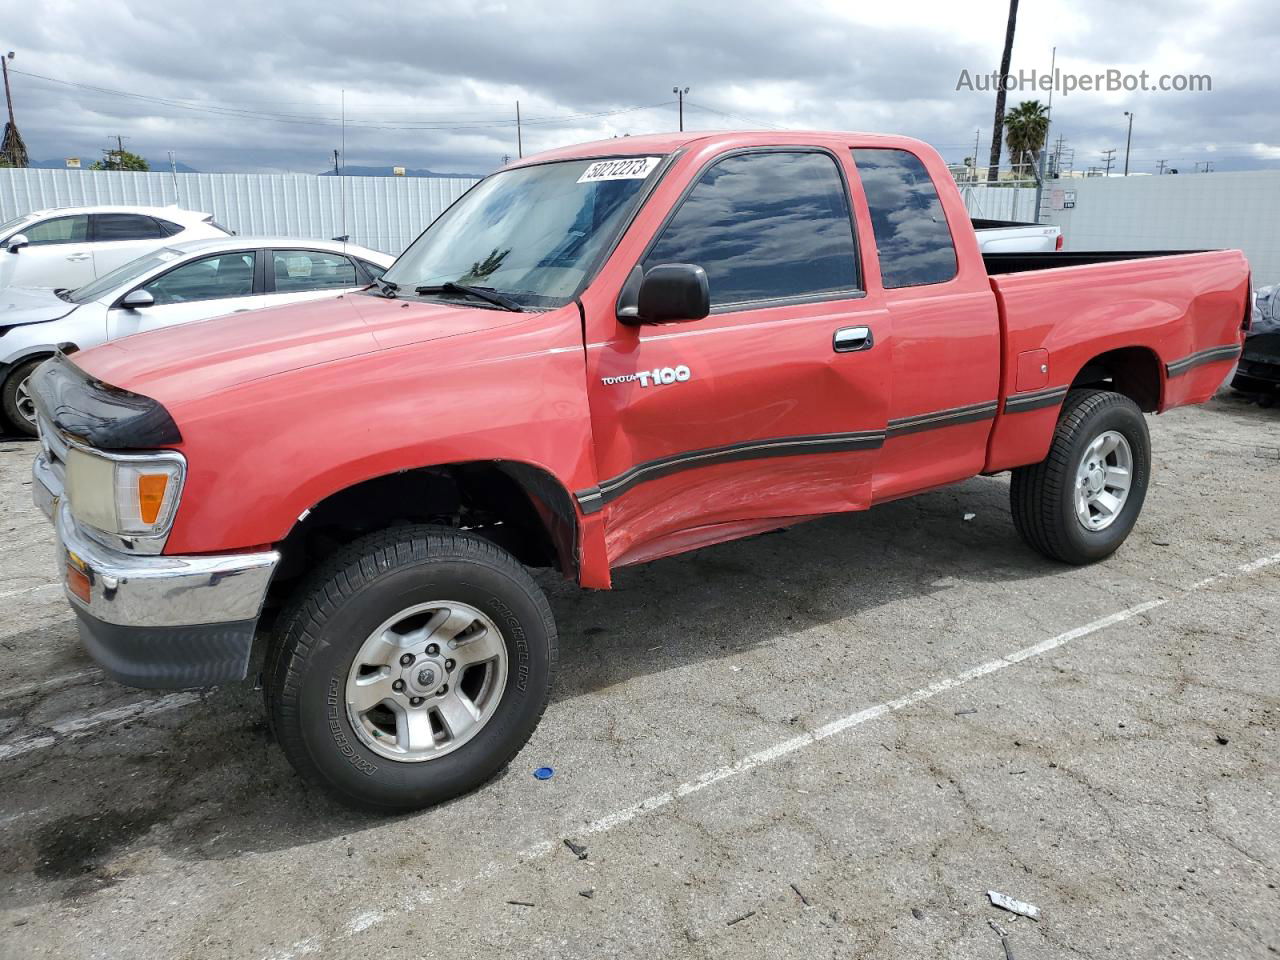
[1036, 491]
[339, 578]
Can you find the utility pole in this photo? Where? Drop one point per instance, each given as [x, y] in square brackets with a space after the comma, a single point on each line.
[506, 158]
[1127, 141]
[977, 143]
[1044, 153]
[1057, 155]
[1160, 165]
[173, 169]
[11, 147]
[997, 133]
[680, 99]
[335, 164]
[1109, 157]
[1207, 164]
[519, 134]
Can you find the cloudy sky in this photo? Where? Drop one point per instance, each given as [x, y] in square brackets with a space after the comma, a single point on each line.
[246, 85]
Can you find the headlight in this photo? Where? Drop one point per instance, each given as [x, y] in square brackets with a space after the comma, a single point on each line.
[125, 495]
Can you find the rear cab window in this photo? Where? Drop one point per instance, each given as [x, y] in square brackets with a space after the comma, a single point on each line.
[766, 226]
[910, 227]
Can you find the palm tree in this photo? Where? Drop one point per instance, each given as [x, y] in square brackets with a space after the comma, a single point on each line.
[993, 171]
[1025, 128]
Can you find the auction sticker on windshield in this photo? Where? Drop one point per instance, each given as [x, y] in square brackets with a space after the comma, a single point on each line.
[628, 168]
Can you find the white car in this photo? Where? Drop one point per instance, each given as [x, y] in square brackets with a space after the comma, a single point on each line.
[70, 246]
[175, 284]
[1014, 236]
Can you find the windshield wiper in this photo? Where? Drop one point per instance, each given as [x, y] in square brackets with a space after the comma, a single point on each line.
[386, 287]
[480, 293]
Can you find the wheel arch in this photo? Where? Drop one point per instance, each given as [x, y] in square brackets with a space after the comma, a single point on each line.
[1135, 372]
[521, 507]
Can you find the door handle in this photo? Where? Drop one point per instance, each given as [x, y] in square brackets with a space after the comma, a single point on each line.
[852, 339]
[77, 257]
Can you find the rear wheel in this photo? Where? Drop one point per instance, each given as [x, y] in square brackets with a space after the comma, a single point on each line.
[1079, 503]
[411, 669]
[19, 408]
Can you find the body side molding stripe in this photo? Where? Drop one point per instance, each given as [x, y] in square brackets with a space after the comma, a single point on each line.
[954, 416]
[1025, 402]
[1228, 351]
[593, 498]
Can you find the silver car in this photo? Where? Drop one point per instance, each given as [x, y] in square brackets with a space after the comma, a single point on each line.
[188, 281]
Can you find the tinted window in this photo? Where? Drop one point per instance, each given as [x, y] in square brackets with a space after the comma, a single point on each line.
[168, 227]
[764, 226]
[212, 278]
[298, 270]
[73, 229]
[373, 269]
[906, 215]
[124, 226]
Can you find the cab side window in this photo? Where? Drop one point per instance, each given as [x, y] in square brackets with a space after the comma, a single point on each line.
[210, 278]
[910, 228]
[73, 229]
[765, 226]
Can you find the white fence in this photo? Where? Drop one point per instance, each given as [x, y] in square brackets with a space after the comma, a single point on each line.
[1203, 211]
[384, 213]
[1188, 211]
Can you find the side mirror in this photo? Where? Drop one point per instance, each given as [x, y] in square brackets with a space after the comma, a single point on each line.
[137, 299]
[668, 293]
[17, 242]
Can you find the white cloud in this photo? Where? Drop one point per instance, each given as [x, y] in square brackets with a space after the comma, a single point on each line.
[435, 84]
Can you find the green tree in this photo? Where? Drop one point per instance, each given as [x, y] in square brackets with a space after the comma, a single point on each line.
[1025, 128]
[120, 160]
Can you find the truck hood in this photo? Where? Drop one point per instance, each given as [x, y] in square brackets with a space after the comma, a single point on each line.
[22, 305]
[192, 360]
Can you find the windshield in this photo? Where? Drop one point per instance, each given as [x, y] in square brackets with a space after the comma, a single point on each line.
[533, 234]
[122, 275]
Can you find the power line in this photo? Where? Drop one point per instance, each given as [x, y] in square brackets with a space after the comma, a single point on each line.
[734, 116]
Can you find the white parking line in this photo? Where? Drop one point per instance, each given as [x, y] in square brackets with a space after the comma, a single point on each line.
[79, 726]
[366, 919]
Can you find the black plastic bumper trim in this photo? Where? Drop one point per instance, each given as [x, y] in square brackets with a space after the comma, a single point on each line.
[168, 658]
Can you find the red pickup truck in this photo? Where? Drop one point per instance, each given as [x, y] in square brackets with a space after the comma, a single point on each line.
[597, 357]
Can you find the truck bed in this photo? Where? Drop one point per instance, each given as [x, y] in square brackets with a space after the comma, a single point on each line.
[998, 263]
[1175, 316]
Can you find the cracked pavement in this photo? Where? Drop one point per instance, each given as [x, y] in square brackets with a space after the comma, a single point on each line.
[1126, 781]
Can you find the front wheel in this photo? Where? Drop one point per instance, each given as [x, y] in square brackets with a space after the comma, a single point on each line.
[1079, 503]
[411, 669]
[19, 409]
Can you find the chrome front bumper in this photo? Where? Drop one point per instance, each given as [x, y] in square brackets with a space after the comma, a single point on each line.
[157, 621]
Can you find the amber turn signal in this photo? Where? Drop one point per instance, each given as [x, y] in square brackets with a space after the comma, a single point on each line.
[151, 488]
[77, 582]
